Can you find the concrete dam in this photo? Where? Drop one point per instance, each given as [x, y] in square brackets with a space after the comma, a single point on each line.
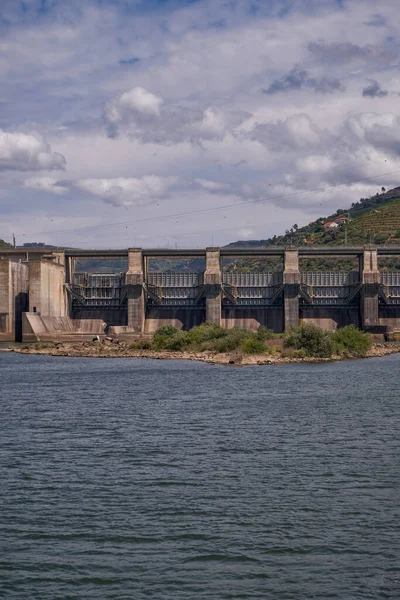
[44, 297]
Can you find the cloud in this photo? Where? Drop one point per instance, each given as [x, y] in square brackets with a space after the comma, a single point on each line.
[129, 61]
[374, 90]
[143, 115]
[212, 186]
[191, 109]
[300, 79]
[136, 104]
[342, 53]
[46, 184]
[377, 21]
[297, 132]
[127, 191]
[26, 152]
[380, 131]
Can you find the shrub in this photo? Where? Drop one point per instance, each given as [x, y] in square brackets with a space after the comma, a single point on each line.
[351, 340]
[264, 333]
[176, 342]
[229, 341]
[252, 345]
[311, 339]
[204, 333]
[162, 335]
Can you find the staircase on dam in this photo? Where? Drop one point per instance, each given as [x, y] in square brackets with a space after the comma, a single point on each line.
[141, 300]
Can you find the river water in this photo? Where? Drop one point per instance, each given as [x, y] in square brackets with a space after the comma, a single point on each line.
[142, 479]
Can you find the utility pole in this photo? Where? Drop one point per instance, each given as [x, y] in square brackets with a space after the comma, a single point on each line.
[14, 241]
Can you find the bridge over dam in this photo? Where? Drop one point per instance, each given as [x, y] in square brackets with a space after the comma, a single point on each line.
[44, 295]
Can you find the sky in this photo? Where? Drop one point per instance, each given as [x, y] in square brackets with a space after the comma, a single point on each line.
[177, 123]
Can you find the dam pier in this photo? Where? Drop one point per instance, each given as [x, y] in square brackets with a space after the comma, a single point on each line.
[43, 296]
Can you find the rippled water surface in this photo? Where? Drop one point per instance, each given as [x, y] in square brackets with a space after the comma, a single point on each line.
[137, 479]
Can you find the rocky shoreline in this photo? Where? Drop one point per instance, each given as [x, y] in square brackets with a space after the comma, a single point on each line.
[122, 350]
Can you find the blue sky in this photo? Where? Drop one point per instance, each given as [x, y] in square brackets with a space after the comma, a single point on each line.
[134, 111]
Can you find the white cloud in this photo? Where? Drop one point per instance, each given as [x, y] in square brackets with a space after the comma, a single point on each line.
[143, 115]
[298, 131]
[211, 185]
[27, 152]
[137, 103]
[127, 191]
[180, 92]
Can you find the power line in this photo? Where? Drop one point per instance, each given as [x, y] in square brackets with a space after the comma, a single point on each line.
[208, 210]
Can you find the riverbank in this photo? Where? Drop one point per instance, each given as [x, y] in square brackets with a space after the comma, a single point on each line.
[122, 350]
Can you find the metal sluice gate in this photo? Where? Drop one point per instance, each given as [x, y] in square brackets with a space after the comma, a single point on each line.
[98, 290]
[187, 290]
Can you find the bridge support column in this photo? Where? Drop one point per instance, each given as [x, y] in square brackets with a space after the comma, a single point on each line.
[291, 281]
[213, 284]
[370, 291]
[136, 301]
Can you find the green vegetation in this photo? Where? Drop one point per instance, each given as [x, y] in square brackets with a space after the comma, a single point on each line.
[4, 244]
[212, 338]
[374, 220]
[300, 342]
[351, 341]
[311, 339]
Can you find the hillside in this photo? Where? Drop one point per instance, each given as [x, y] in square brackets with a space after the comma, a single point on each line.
[371, 220]
[4, 244]
[374, 220]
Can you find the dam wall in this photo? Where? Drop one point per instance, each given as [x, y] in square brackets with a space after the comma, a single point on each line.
[47, 291]
[138, 302]
[13, 299]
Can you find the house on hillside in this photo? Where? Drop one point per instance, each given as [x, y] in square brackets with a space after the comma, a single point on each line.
[341, 220]
[330, 225]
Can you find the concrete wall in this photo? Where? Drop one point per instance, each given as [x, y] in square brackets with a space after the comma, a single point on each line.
[38, 328]
[390, 316]
[180, 318]
[114, 318]
[252, 318]
[47, 294]
[330, 318]
[13, 299]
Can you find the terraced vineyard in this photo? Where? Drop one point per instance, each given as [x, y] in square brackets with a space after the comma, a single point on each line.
[379, 226]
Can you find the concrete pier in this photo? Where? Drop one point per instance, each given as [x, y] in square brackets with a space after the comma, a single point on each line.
[370, 291]
[213, 285]
[136, 301]
[291, 282]
[13, 299]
